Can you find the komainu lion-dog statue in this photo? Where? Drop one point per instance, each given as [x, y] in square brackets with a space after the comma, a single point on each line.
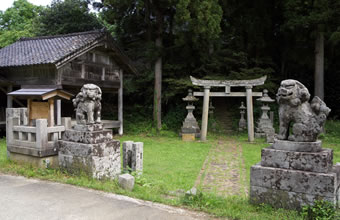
[87, 104]
[306, 119]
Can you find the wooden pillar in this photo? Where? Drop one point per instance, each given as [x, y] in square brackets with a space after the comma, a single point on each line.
[9, 98]
[83, 70]
[58, 112]
[29, 111]
[103, 74]
[120, 103]
[205, 113]
[51, 112]
[250, 117]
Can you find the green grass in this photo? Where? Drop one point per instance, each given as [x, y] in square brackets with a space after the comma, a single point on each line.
[171, 165]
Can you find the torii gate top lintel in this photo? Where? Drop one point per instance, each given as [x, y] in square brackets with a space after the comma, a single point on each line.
[231, 83]
[248, 84]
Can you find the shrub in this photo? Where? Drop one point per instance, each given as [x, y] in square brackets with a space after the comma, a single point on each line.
[321, 210]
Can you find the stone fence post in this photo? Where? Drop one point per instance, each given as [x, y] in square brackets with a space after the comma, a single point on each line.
[41, 133]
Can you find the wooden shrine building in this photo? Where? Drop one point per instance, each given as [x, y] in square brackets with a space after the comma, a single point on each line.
[66, 62]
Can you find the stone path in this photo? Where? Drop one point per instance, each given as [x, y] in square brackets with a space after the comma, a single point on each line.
[223, 171]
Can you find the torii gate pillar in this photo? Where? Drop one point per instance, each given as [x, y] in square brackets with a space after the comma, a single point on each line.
[227, 84]
[205, 113]
[250, 117]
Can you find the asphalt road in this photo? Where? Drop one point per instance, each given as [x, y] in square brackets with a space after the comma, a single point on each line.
[22, 198]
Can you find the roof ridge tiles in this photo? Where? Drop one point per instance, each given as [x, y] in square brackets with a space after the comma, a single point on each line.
[99, 31]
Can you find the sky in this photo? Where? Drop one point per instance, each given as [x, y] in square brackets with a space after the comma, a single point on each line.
[4, 4]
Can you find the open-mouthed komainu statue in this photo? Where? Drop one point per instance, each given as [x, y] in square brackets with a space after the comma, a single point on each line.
[307, 119]
[88, 106]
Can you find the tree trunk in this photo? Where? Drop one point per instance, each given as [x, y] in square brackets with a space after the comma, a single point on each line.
[158, 88]
[158, 73]
[319, 66]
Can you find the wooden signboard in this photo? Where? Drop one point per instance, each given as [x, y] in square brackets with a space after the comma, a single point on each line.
[39, 110]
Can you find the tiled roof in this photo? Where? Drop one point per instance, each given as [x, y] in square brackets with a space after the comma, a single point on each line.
[46, 50]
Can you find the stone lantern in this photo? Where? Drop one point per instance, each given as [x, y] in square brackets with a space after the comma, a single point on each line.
[190, 129]
[242, 124]
[264, 124]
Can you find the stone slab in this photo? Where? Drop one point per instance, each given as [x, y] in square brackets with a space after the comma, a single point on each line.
[35, 152]
[320, 162]
[85, 150]
[297, 146]
[41, 162]
[87, 137]
[126, 181]
[89, 127]
[318, 184]
[284, 199]
[188, 137]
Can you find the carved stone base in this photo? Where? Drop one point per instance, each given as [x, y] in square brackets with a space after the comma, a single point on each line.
[297, 146]
[41, 162]
[188, 137]
[320, 162]
[292, 189]
[93, 153]
[291, 179]
[89, 127]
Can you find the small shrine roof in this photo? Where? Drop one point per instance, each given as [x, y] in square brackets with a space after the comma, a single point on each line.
[41, 93]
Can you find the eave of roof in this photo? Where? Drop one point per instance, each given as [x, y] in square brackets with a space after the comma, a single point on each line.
[41, 93]
[59, 49]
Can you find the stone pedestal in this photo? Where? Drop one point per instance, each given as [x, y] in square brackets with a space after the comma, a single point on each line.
[292, 179]
[91, 150]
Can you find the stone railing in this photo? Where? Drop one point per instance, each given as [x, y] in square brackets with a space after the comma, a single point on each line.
[39, 140]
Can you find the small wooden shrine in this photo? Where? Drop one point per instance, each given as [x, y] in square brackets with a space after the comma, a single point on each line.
[41, 102]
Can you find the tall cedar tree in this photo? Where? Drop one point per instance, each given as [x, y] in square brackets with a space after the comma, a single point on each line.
[155, 28]
[319, 18]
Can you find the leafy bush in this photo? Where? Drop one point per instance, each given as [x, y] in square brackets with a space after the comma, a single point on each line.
[321, 210]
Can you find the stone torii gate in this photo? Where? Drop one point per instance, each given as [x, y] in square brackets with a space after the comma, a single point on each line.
[249, 94]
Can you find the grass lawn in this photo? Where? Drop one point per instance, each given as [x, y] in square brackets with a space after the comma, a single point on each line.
[170, 166]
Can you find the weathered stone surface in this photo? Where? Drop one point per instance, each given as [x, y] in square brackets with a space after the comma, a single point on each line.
[307, 118]
[318, 184]
[297, 146]
[190, 125]
[90, 127]
[320, 162]
[133, 156]
[85, 150]
[137, 155]
[284, 199]
[87, 137]
[41, 162]
[126, 181]
[192, 192]
[88, 106]
[97, 160]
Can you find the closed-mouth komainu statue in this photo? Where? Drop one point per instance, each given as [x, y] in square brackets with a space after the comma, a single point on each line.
[307, 119]
[87, 104]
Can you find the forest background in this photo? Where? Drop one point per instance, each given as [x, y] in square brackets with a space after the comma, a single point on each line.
[169, 40]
